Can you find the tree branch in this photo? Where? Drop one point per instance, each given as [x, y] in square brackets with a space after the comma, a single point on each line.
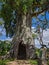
[40, 5]
[37, 13]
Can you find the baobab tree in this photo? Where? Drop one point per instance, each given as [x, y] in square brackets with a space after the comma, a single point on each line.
[18, 15]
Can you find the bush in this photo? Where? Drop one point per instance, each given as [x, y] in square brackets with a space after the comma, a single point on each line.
[4, 47]
[2, 62]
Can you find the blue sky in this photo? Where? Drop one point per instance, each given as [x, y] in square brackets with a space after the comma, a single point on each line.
[3, 36]
[41, 18]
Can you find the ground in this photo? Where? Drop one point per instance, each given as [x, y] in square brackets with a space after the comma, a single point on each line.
[19, 62]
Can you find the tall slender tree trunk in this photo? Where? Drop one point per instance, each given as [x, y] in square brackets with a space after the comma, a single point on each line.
[23, 32]
[44, 61]
[43, 49]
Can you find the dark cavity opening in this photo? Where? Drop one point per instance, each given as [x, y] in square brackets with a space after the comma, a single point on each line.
[21, 51]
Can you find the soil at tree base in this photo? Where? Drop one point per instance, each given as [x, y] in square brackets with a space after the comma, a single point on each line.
[19, 62]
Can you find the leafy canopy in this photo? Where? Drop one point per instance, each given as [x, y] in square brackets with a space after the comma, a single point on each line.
[11, 9]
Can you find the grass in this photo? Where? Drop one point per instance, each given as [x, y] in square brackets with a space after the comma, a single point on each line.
[33, 62]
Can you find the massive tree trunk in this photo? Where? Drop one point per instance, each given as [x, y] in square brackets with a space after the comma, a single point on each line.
[23, 33]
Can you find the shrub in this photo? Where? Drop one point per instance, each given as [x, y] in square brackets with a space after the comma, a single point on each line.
[4, 47]
[2, 62]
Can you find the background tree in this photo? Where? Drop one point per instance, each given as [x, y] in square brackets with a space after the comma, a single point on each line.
[42, 23]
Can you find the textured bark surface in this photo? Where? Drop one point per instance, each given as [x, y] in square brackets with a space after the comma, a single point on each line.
[44, 61]
[24, 34]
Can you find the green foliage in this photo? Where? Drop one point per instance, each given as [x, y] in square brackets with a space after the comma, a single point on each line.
[2, 62]
[48, 62]
[47, 49]
[1, 22]
[20, 7]
[4, 47]
[33, 62]
[37, 52]
[34, 35]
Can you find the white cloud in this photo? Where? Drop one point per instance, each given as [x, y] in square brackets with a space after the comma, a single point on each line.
[45, 38]
[37, 44]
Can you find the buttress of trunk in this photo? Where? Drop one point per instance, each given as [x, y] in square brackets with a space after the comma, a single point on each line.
[23, 33]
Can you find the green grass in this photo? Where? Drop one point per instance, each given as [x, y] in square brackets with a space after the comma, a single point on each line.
[33, 62]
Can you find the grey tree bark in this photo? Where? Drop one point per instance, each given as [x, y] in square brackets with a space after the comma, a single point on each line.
[23, 32]
[44, 62]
